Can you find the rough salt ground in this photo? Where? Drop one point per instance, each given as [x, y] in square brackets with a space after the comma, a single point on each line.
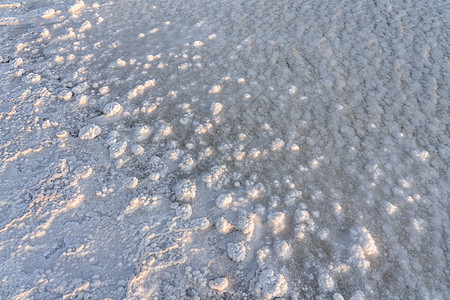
[324, 122]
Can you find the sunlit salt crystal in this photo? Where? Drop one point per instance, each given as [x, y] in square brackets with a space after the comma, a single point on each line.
[45, 33]
[338, 296]
[293, 90]
[121, 62]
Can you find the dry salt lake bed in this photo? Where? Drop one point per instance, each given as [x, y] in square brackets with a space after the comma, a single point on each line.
[228, 149]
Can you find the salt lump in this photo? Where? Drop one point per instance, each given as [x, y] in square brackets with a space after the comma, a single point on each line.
[364, 248]
[48, 13]
[131, 183]
[270, 285]
[215, 89]
[283, 250]
[112, 109]
[223, 226]
[137, 150]
[276, 220]
[236, 251]
[219, 284]
[76, 7]
[200, 224]
[223, 201]
[83, 172]
[186, 190]
[184, 211]
[90, 132]
[367, 243]
[216, 108]
[118, 149]
[326, 282]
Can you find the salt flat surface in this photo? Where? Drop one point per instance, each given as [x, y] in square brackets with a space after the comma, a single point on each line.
[224, 149]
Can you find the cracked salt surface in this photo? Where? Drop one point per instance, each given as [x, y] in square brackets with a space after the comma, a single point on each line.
[224, 149]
